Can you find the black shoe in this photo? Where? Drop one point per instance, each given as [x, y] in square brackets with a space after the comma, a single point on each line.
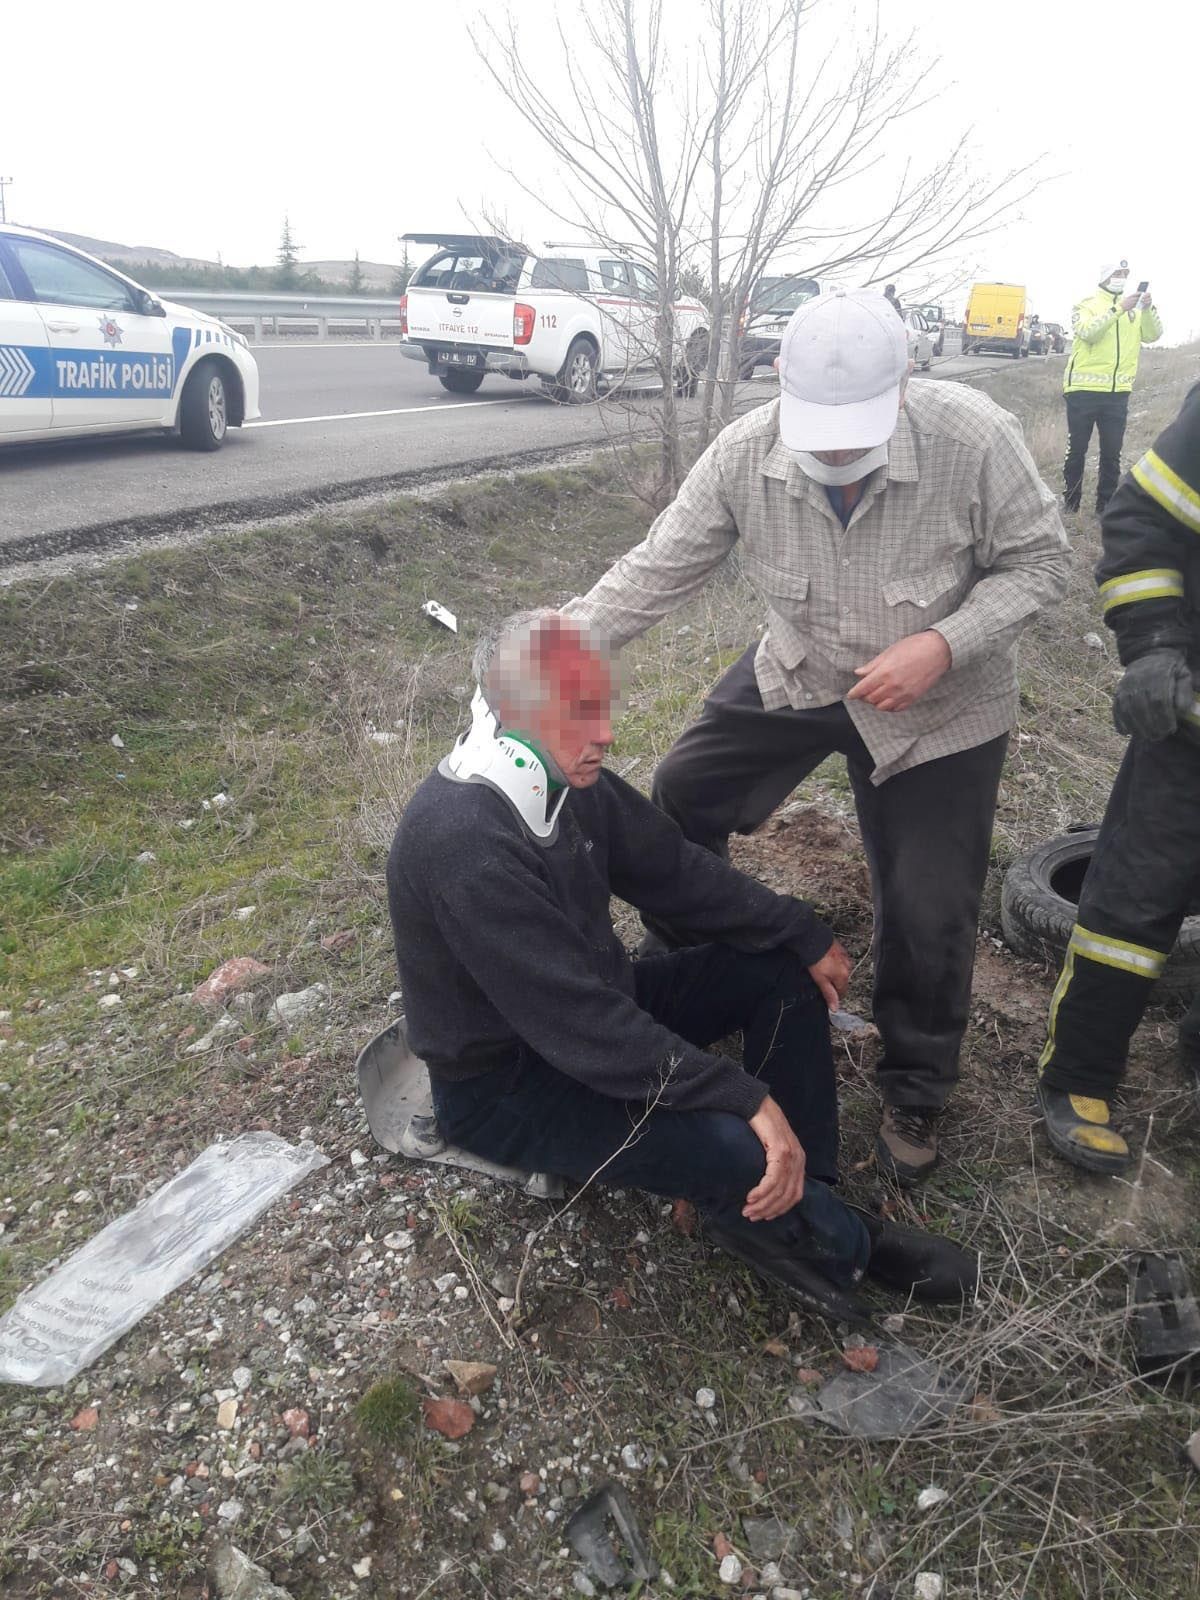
[923, 1264]
[1080, 1128]
[810, 1286]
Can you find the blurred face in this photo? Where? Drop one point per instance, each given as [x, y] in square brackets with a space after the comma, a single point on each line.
[574, 727]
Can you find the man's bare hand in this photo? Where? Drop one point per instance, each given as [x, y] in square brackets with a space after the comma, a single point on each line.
[782, 1184]
[903, 672]
[832, 974]
[1130, 301]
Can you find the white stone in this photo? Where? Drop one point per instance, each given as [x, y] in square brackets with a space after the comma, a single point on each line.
[498, 1542]
[362, 1569]
[634, 1457]
[241, 1379]
[146, 859]
[107, 1001]
[357, 1159]
[446, 1282]
[117, 742]
[730, 1570]
[398, 1241]
[220, 801]
[705, 1399]
[229, 1510]
[933, 1496]
[928, 1586]
[290, 1008]
[244, 913]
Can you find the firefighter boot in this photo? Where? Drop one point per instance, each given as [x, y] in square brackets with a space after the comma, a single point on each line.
[1078, 1127]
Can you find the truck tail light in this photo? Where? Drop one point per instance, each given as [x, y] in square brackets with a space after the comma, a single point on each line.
[403, 313]
[523, 321]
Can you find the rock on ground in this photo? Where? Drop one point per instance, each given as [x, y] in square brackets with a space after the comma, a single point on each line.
[236, 1577]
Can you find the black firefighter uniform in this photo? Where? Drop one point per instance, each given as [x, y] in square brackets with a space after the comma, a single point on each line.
[1145, 870]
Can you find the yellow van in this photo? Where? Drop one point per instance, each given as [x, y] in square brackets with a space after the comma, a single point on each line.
[995, 319]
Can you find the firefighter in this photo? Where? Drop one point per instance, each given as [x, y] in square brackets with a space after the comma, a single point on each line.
[1109, 329]
[1146, 865]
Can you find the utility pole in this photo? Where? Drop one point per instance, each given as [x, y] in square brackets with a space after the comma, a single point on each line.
[4, 183]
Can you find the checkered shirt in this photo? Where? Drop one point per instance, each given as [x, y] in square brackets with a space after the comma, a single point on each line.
[958, 533]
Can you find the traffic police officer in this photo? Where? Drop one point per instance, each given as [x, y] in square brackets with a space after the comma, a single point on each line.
[1109, 329]
[1146, 865]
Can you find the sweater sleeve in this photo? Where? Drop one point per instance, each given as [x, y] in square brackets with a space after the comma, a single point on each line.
[1148, 528]
[499, 916]
[654, 867]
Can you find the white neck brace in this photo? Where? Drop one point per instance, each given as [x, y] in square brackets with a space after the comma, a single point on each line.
[509, 766]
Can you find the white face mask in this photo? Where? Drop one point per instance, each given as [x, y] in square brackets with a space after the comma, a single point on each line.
[838, 477]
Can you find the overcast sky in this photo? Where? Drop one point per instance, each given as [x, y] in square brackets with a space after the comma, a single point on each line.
[195, 131]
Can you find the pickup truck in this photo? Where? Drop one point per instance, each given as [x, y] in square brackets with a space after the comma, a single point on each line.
[582, 319]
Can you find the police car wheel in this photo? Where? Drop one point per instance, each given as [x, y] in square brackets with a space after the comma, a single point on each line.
[204, 409]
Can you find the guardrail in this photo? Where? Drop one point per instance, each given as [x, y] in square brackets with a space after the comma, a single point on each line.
[379, 316]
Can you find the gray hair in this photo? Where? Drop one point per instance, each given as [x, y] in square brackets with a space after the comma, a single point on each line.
[501, 663]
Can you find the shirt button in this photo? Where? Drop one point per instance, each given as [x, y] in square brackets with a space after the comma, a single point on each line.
[845, 611]
[808, 697]
[845, 563]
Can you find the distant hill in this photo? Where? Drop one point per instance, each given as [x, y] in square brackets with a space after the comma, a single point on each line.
[378, 277]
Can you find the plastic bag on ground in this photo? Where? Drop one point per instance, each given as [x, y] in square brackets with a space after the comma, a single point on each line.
[60, 1327]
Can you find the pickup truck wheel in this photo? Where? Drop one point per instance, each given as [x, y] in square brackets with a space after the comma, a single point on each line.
[575, 384]
[460, 382]
[204, 408]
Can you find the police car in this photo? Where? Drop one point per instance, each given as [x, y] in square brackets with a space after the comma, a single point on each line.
[85, 350]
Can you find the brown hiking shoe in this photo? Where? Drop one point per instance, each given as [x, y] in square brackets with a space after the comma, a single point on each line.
[907, 1146]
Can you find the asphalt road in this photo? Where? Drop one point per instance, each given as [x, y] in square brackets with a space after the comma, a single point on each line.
[338, 419]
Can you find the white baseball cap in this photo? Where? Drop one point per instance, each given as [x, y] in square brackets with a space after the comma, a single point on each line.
[842, 361]
[1112, 269]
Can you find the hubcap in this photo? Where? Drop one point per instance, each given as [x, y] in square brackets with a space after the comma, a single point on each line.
[216, 408]
[581, 374]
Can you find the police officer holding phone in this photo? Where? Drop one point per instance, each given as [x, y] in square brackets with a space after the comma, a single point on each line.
[1109, 328]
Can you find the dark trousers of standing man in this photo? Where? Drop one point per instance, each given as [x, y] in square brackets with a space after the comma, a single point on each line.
[927, 833]
[1143, 877]
[1106, 413]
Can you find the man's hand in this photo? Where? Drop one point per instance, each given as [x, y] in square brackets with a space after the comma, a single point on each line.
[1130, 301]
[832, 974]
[903, 672]
[782, 1184]
[1146, 302]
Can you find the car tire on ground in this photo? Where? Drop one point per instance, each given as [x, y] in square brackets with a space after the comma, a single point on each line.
[1039, 904]
[575, 383]
[460, 382]
[204, 408]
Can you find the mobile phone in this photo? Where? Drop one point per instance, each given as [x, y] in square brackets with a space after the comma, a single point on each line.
[1143, 286]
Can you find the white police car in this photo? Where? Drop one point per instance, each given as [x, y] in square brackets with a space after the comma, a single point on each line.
[85, 350]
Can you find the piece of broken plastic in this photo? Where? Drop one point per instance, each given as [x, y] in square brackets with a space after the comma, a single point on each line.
[394, 1085]
[437, 613]
[587, 1534]
[1166, 1319]
[905, 1394]
[60, 1327]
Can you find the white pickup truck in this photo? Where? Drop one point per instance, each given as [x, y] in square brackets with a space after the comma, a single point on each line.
[580, 319]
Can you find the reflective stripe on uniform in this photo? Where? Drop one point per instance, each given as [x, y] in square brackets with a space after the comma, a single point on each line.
[1193, 716]
[1155, 583]
[1136, 958]
[1165, 485]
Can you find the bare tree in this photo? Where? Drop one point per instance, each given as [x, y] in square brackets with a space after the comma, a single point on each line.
[747, 138]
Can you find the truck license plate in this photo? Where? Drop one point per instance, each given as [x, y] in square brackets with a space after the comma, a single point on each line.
[458, 358]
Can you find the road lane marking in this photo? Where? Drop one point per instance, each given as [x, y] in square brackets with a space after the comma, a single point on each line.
[354, 416]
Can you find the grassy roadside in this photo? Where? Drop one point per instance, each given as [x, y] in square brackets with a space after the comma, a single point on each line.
[294, 675]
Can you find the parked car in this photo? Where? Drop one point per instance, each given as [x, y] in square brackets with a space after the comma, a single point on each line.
[995, 319]
[581, 319]
[1037, 339]
[920, 339]
[935, 316]
[771, 305]
[85, 350]
[1057, 335]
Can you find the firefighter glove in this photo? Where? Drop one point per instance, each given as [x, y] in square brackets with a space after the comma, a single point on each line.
[1152, 696]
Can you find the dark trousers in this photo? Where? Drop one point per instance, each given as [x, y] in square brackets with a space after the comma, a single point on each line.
[531, 1115]
[1107, 414]
[1144, 874]
[927, 833]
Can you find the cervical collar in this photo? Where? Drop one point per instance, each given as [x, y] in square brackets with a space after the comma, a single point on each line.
[839, 477]
[509, 766]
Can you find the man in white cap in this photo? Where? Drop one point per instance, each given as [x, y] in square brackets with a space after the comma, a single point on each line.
[1109, 328]
[899, 538]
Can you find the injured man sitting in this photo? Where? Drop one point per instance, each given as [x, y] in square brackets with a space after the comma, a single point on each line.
[549, 1049]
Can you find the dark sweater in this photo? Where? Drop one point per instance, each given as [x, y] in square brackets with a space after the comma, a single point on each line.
[502, 940]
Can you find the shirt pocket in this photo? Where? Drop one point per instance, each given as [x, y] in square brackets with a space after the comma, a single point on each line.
[786, 596]
[919, 598]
